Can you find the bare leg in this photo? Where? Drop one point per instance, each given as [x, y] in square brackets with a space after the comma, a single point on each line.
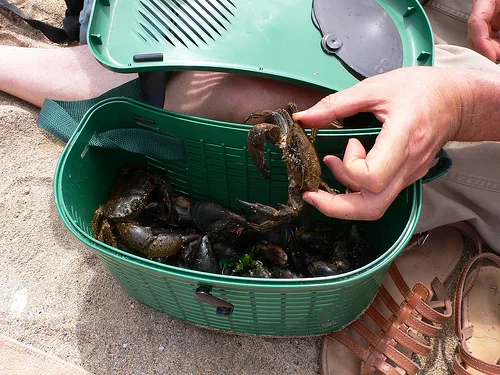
[70, 73]
[232, 97]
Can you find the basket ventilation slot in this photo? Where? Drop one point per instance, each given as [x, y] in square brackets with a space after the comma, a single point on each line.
[185, 23]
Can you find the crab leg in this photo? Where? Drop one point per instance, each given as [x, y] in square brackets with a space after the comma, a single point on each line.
[274, 217]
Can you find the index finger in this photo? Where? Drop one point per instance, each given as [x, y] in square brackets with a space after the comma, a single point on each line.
[361, 97]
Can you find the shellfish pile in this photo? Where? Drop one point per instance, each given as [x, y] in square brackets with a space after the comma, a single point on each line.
[144, 216]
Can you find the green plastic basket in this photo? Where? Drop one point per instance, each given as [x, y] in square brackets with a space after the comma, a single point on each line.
[216, 167]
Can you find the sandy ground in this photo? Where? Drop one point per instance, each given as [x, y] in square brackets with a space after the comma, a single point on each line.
[57, 297]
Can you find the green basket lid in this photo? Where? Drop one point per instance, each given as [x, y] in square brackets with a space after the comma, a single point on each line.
[327, 44]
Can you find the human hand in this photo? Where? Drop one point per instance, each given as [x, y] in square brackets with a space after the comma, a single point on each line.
[483, 28]
[420, 111]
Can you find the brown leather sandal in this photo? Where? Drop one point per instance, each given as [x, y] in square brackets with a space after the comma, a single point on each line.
[477, 318]
[400, 320]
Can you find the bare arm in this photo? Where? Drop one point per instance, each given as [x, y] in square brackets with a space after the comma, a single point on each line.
[481, 110]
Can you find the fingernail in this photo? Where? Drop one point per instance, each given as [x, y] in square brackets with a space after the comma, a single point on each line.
[297, 115]
[307, 197]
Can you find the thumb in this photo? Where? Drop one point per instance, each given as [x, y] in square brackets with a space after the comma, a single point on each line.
[362, 97]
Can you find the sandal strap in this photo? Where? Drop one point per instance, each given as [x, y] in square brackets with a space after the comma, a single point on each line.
[457, 366]
[393, 331]
[424, 294]
[463, 356]
[427, 311]
[372, 360]
[384, 345]
[460, 293]
[415, 301]
[398, 332]
[464, 333]
[364, 355]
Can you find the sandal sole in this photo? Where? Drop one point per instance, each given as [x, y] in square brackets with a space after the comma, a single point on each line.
[481, 309]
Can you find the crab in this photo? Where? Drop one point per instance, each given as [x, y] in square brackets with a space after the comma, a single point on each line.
[145, 241]
[130, 196]
[142, 202]
[301, 160]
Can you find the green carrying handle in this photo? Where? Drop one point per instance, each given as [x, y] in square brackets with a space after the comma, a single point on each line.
[61, 119]
[442, 166]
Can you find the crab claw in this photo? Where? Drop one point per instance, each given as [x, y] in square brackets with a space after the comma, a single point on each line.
[142, 240]
[256, 144]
